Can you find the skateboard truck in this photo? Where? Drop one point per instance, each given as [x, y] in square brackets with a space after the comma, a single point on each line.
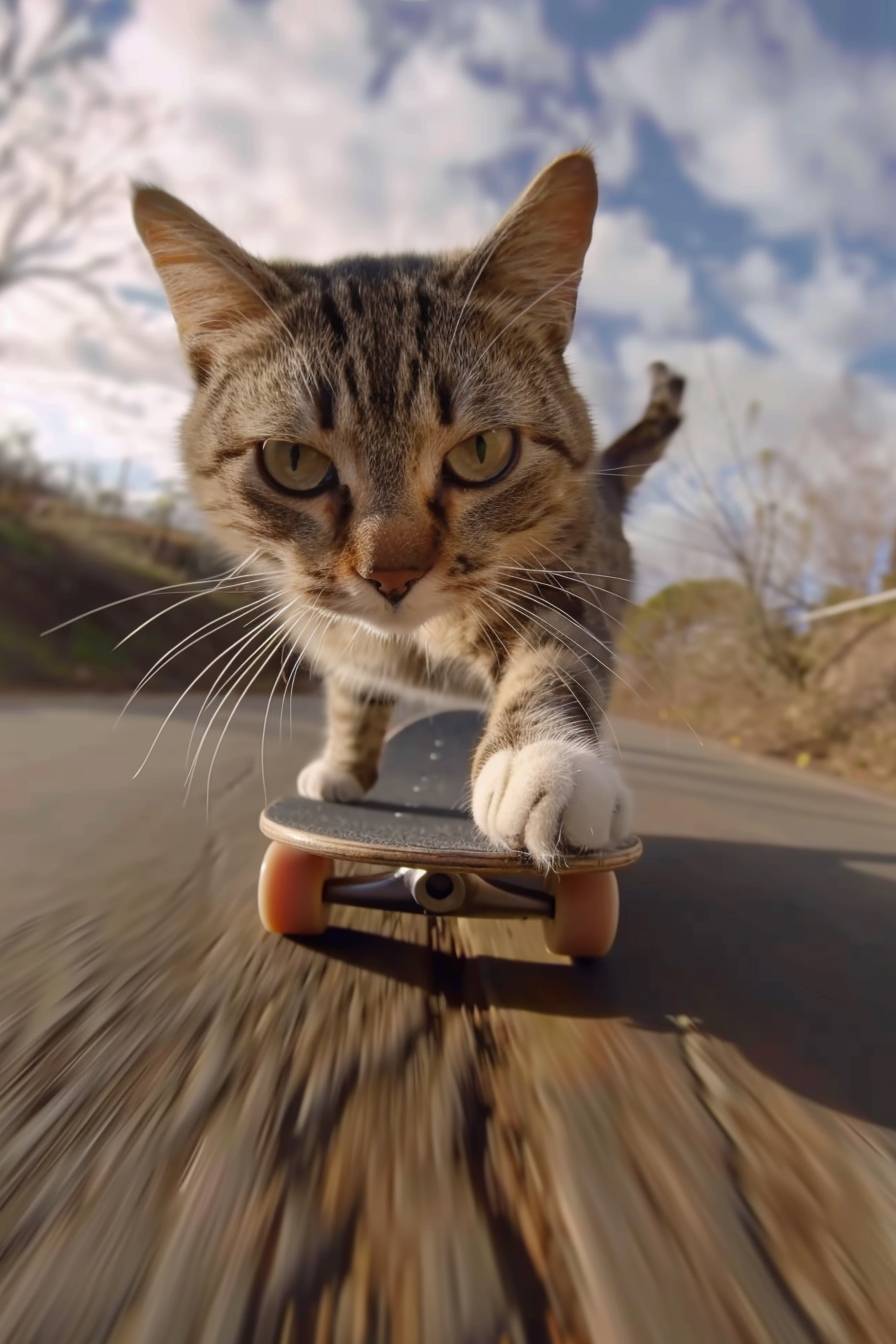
[297, 889]
[432, 891]
[431, 857]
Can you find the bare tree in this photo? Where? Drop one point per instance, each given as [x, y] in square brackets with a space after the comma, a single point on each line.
[63, 128]
[794, 523]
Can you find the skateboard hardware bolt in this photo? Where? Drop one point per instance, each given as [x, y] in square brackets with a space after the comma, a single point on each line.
[439, 885]
[437, 893]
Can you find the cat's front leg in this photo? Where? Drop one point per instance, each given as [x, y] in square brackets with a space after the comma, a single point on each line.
[543, 779]
[356, 727]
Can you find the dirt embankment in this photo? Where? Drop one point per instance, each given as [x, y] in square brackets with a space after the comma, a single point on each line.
[696, 653]
[58, 565]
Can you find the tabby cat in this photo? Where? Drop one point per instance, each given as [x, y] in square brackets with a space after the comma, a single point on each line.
[397, 439]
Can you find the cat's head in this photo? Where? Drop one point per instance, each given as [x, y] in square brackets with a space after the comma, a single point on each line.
[387, 432]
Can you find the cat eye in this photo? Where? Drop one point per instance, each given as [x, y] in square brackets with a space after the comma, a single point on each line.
[296, 467]
[482, 458]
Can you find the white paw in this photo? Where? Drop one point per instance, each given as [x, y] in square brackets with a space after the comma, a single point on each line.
[549, 794]
[323, 781]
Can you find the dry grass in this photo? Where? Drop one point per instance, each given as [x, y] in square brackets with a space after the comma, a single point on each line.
[699, 652]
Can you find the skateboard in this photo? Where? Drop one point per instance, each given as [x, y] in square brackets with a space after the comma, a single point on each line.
[416, 820]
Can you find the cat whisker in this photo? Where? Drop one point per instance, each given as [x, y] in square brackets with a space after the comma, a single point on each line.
[639, 644]
[253, 656]
[577, 687]
[292, 640]
[508, 605]
[503, 605]
[267, 709]
[298, 658]
[284, 677]
[222, 679]
[188, 641]
[551, 577]
[208, 585]
[528, 595]
[288, 638]
[286, 698]
[571, 570]
[612, 652]
[290, 648]
[597, 606]
[575, 573]
[579, 576]
[635, 528]
[239, 585]
[563, 637]
[650, 686]
[543, 602]
[292, 684]
[637, 672]
[183, 695]
[495, 303]
[604, 613]
[542, 579]
[504, 650]
[253, 671]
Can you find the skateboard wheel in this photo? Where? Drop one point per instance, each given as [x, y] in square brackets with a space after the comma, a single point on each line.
[586, 915]
[290, 890]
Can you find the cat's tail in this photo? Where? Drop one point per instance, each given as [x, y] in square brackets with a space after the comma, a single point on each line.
[623, 464]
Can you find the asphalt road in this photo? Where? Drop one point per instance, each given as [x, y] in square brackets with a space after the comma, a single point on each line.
[415, 1131]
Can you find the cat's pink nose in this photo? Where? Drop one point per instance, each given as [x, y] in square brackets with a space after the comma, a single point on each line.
[394, 584]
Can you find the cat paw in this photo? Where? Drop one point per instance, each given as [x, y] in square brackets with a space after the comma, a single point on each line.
[329, 784]
[548, 795]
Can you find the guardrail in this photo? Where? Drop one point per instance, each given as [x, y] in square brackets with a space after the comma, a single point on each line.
[854, 604]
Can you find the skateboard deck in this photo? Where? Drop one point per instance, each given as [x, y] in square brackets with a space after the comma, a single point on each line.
[417, 812]
[417, 818]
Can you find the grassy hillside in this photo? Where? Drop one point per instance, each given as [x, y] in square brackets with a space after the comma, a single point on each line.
[57, 565]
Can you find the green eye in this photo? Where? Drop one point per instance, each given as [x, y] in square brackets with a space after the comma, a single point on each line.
[482, 457]
[296, 467]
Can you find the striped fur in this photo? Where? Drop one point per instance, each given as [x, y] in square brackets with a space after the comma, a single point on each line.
[385, 364]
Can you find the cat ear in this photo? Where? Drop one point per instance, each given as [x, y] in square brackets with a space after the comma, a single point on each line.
[211, 283]
[536, 253]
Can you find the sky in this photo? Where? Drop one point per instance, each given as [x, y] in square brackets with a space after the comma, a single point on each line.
[746, 231]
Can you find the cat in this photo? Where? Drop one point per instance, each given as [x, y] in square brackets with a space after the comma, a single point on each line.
[398, 440]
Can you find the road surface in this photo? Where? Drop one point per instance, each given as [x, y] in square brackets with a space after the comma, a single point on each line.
[437, 1132]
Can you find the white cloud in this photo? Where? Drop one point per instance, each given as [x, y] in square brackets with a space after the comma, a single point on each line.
[511, 38]
[766, 113]
[289, 149]
[301, 148]
[287, 133]
[295, 148]
[843, 308]
[629, 273]
[78, 416]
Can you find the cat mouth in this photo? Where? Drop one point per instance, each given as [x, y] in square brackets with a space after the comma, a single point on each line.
[398, 620]
[385, 617]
